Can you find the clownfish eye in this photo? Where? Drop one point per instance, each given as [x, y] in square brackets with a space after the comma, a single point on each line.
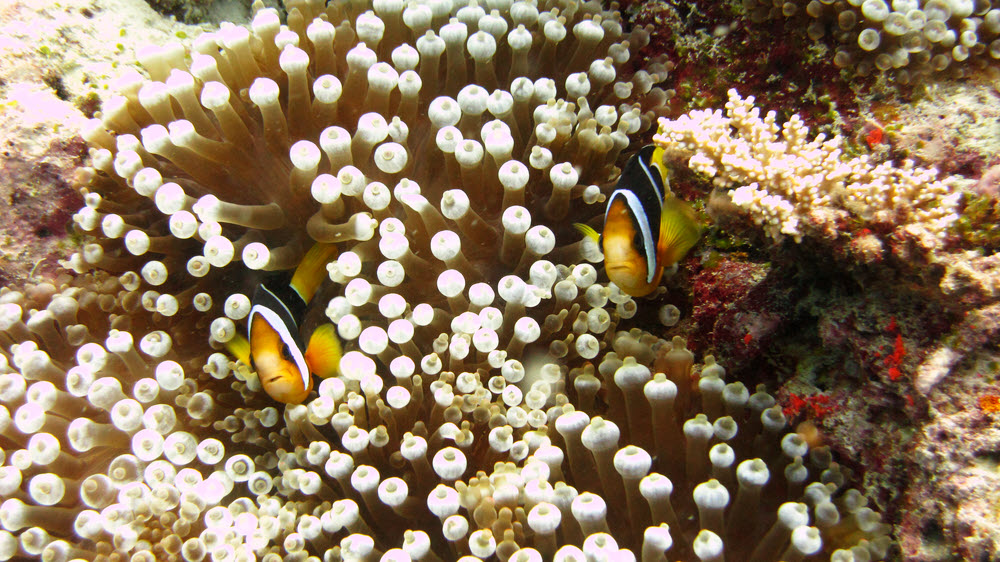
[637, 242]
[286, 353]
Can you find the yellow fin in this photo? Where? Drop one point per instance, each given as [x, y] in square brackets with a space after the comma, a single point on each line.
[323, 352]
[679, 231]
[312, 270]
[656, 161]
[657, 155]
[239, 348]
[587, 231]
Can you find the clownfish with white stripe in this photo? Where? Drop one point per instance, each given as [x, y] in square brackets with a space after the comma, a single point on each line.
[646, 228]
[276, 348]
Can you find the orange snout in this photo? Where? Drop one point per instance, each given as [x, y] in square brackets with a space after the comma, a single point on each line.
[280, 378]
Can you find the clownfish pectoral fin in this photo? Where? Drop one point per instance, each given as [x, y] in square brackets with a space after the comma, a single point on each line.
[312, 270]
[587, 231]
[239, 348]
[679, 231]
[323, 352]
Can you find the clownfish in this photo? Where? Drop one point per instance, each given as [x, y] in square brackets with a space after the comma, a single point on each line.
[276, 348]
[646, 228]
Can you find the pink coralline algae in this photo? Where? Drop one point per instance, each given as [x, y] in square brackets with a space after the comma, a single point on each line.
[37, 189]
[738, 308]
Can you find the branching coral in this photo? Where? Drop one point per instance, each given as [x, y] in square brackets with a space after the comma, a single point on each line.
[491, 402]
[794, 186]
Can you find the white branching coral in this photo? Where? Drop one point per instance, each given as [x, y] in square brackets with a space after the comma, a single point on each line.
[795, 186]
[491, 402]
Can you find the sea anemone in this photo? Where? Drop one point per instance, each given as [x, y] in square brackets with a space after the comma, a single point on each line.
[493, 399]
[908, 38]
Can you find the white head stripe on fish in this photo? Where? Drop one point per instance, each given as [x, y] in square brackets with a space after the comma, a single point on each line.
[653, 175]
[286, 336]
[639, 216]
[279, 300]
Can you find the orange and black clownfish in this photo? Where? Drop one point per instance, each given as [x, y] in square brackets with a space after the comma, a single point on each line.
[276, 348]
[646, 228]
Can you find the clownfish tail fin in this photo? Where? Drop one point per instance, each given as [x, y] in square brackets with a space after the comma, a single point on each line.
[312, 269]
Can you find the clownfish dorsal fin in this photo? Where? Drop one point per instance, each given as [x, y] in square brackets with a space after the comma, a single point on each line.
[311, 270]
[323, 352]
[679, 231]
